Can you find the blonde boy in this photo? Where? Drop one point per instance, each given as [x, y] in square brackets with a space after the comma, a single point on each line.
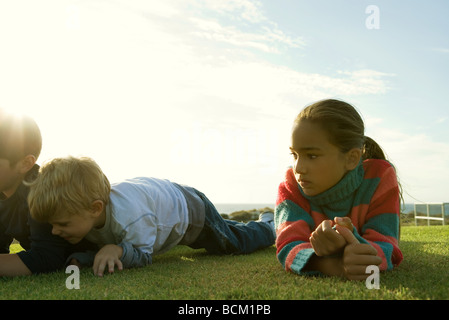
[135, 219]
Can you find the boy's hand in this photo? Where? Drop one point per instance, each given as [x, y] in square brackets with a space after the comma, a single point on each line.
[326, 241]
[75, 262]
[357, 256]
[108, 256]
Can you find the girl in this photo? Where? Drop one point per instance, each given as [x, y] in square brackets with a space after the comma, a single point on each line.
[340, 178]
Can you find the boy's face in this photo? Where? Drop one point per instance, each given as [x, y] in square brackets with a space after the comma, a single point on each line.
[73, 227]
[10, 177]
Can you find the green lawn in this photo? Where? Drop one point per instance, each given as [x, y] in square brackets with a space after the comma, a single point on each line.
[183, 273]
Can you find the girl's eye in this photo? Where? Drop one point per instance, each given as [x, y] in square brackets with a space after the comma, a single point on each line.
[294, 155]
[312, 156]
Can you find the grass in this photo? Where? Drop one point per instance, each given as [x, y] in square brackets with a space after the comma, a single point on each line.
[184, 273]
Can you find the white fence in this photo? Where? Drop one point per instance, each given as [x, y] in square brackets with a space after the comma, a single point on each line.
[430, 210]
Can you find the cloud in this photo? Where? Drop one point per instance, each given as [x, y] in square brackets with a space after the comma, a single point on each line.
[370, 121]
[241, 23]
[140, 54]
[244, 9]
[212, 30]
[365, 81]
[441, 50]
[130, 76]
[421, 162]
[180, 50]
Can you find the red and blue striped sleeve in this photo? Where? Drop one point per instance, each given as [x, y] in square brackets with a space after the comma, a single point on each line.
[293, 226]
[379, 222]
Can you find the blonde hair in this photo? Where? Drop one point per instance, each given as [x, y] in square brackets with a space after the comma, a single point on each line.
[67, 185]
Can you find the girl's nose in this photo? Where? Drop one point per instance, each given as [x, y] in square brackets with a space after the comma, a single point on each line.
[299, 167]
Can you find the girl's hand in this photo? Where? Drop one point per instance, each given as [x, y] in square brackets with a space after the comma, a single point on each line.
[108, 256]
[345, 222]
[357, 256]
[326, 241]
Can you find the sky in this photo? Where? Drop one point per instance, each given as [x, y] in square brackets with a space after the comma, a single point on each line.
[204, 92]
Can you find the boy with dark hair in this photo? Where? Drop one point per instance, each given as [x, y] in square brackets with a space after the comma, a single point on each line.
[20, 147]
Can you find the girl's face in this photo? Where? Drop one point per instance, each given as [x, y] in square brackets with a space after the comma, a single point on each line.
[318, 164]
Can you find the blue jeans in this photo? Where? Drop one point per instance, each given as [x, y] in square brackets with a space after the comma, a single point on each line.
[220, 236]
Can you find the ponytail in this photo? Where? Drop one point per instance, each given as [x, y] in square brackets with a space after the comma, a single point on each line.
[371, 150]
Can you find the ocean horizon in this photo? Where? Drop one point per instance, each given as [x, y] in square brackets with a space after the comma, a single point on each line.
[233, 207]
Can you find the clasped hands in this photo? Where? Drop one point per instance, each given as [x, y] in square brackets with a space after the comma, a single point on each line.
[327, 241]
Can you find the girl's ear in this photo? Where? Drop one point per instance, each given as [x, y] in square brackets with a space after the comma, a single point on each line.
[353, 157]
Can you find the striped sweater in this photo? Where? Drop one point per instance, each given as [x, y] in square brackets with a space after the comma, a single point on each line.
[369, 195]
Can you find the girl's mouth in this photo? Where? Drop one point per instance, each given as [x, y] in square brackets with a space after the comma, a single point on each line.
[304, 183]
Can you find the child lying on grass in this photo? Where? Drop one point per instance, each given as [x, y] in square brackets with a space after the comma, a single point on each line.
[135, 219]
[20, 147]
[339, 176]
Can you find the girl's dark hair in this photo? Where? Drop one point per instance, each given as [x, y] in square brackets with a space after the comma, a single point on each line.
[344, 126]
